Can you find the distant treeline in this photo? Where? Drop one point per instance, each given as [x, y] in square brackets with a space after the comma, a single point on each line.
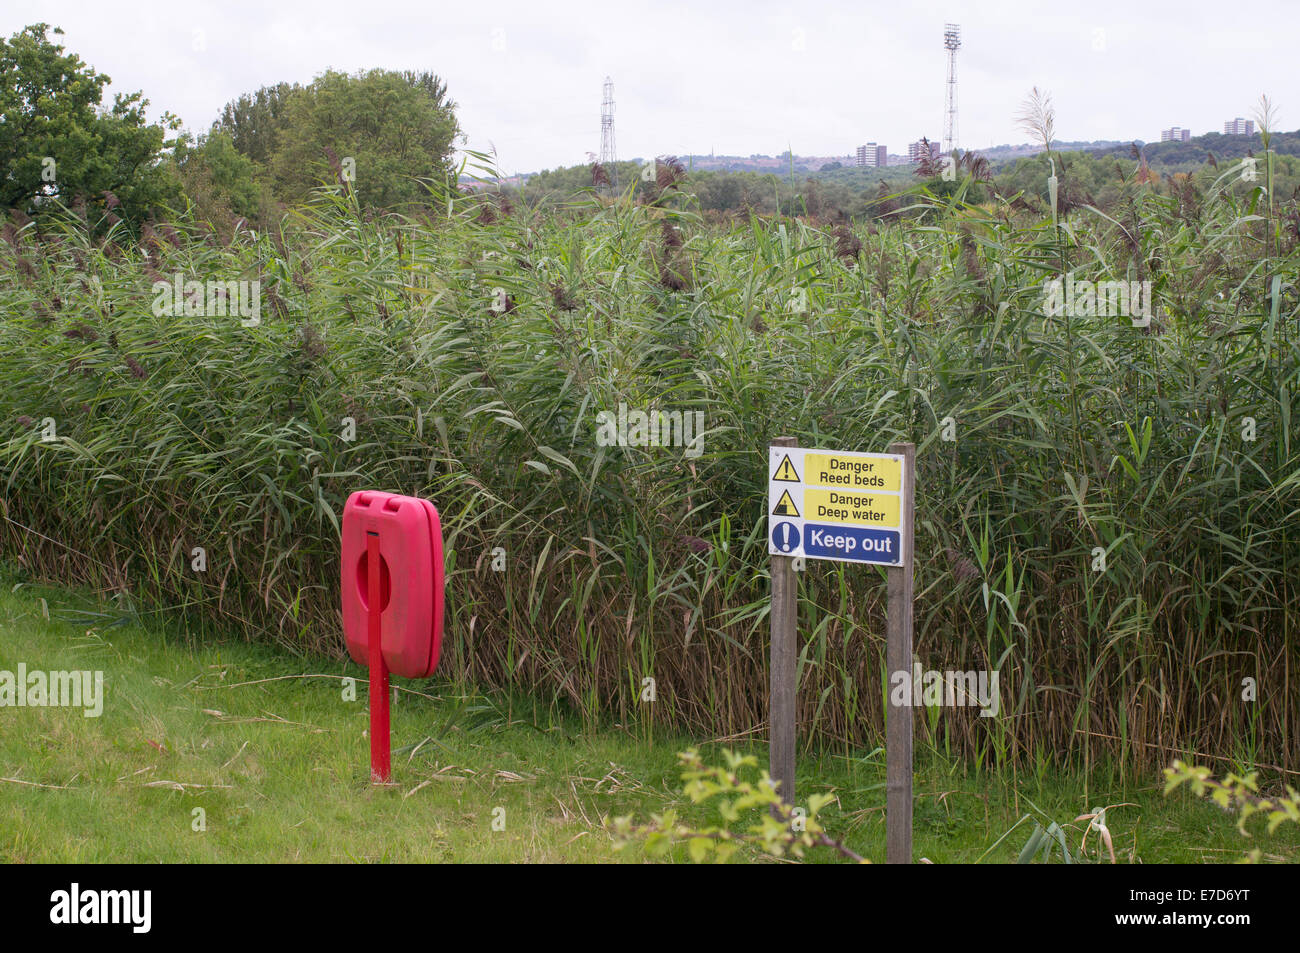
[1098, 178]
[1186, 156]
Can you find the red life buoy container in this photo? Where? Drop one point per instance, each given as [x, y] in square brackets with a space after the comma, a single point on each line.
[411, 572]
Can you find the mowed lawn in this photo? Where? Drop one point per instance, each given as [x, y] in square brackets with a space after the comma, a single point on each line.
[225, 751]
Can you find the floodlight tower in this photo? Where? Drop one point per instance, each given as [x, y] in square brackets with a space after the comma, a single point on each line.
[607, 152]
[951, 43]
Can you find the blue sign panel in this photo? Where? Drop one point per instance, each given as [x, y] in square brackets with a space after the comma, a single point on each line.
[857, 543]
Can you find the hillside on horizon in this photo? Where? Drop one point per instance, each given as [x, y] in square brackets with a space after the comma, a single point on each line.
[1167, 156]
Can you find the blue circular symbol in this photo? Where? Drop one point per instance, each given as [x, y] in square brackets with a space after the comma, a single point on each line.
[785, 537]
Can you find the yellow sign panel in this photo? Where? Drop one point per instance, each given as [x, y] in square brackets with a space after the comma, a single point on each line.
[850, 506]
[853, 472]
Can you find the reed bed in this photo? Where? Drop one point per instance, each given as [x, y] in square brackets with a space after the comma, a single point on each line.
[474, 351]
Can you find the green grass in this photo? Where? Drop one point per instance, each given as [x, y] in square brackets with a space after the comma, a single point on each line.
[279, 763]
[281, 767]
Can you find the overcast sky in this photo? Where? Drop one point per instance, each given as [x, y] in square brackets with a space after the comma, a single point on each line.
[729, 77]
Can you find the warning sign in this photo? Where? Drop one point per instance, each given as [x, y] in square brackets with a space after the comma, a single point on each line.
[836, 504]
[785, 471]
[785, 506]
[849, 470]
[848, 506]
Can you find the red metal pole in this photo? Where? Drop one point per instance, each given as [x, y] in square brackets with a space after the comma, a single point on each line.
[380, 763]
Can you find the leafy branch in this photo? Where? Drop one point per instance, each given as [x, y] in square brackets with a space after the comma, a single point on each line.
[1236, 793]
[777, 828]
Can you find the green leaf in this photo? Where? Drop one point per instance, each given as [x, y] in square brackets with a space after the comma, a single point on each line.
[1031, 846]
[699, 849]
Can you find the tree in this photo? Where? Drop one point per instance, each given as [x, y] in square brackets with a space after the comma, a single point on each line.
[57, 143]
[254, 121]
[220, 181]
[381, 132]
[719, 191]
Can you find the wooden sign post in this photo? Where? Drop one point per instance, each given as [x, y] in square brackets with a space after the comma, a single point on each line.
[848, 507]
[785, 593]
[898, 658]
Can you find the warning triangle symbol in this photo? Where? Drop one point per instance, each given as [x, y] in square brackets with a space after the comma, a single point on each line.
[785, 506]
[785, 472]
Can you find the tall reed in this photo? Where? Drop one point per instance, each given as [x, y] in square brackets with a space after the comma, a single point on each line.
[474, 352]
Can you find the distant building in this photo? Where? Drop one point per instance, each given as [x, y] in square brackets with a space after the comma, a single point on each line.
[1175, 134]
[1239, 127]
[916, 150]
[873, 156]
